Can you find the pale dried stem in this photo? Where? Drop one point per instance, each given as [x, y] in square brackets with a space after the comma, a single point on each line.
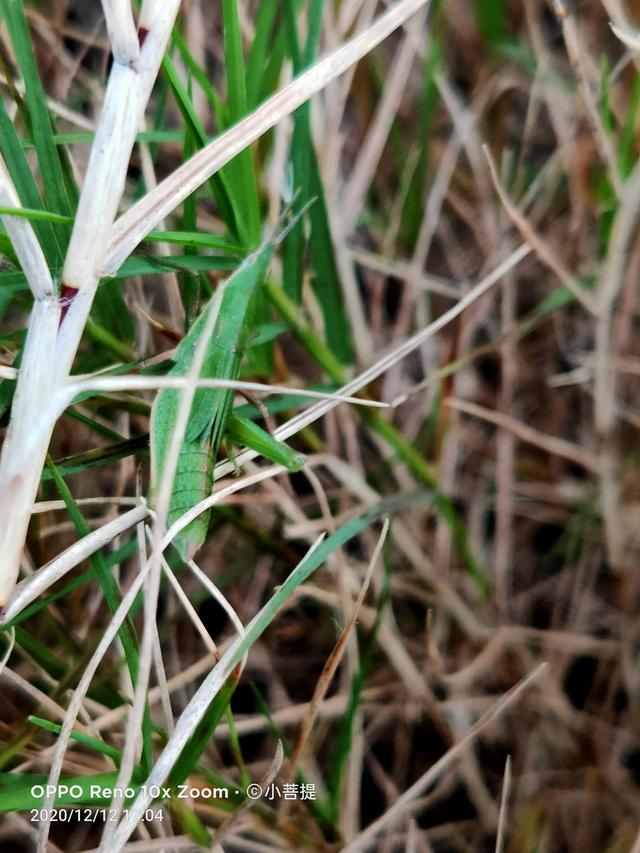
[605, 377]
[334, 659]
[404, 804]
[24, 240]
[505, 451]
[544, 252]
[185, 726]
[132, 227]
[122, 31]
[555, 446]
[78, 697]
[577, 59]
[51, 347]
[360, 178]
[504, 801]
[37, 583]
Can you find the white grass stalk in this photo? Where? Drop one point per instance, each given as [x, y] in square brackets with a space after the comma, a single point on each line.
[24, 240]
[144, 383]
[126, 97]
[49, 352]
[36, 372]
[37, 583]
[122, 31]
[211, 588]
[78, 697]
[19, 480]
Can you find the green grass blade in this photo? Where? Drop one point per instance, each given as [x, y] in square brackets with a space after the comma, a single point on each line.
[491, 17]
[201, 76]
[196, 239]
[97, 457]
[258, 53]
[248, 434]
[26, 187]
[413, 209]
[190, 293]
[240, 170]
[174, 263]
[309, 192]
[6, 249]
[111, 592]
[41, 654]
[36, 215]
[51, 170]
[220, 189]
[199, 741]
[92, 743]
[109, 586]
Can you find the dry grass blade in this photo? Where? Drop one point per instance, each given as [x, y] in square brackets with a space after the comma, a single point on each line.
[405, 802]
[269, 776]
[554, 446]
[37, 583]
[24, 240]
[356, 189]
[122, 31]
[77, 698]
[8, 651]
[332, 663]
[185, 727]
[132, 227]
[501, 838]
[628, 37]
[542, 250]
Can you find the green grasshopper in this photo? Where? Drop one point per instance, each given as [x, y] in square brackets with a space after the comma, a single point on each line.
[210, 416]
